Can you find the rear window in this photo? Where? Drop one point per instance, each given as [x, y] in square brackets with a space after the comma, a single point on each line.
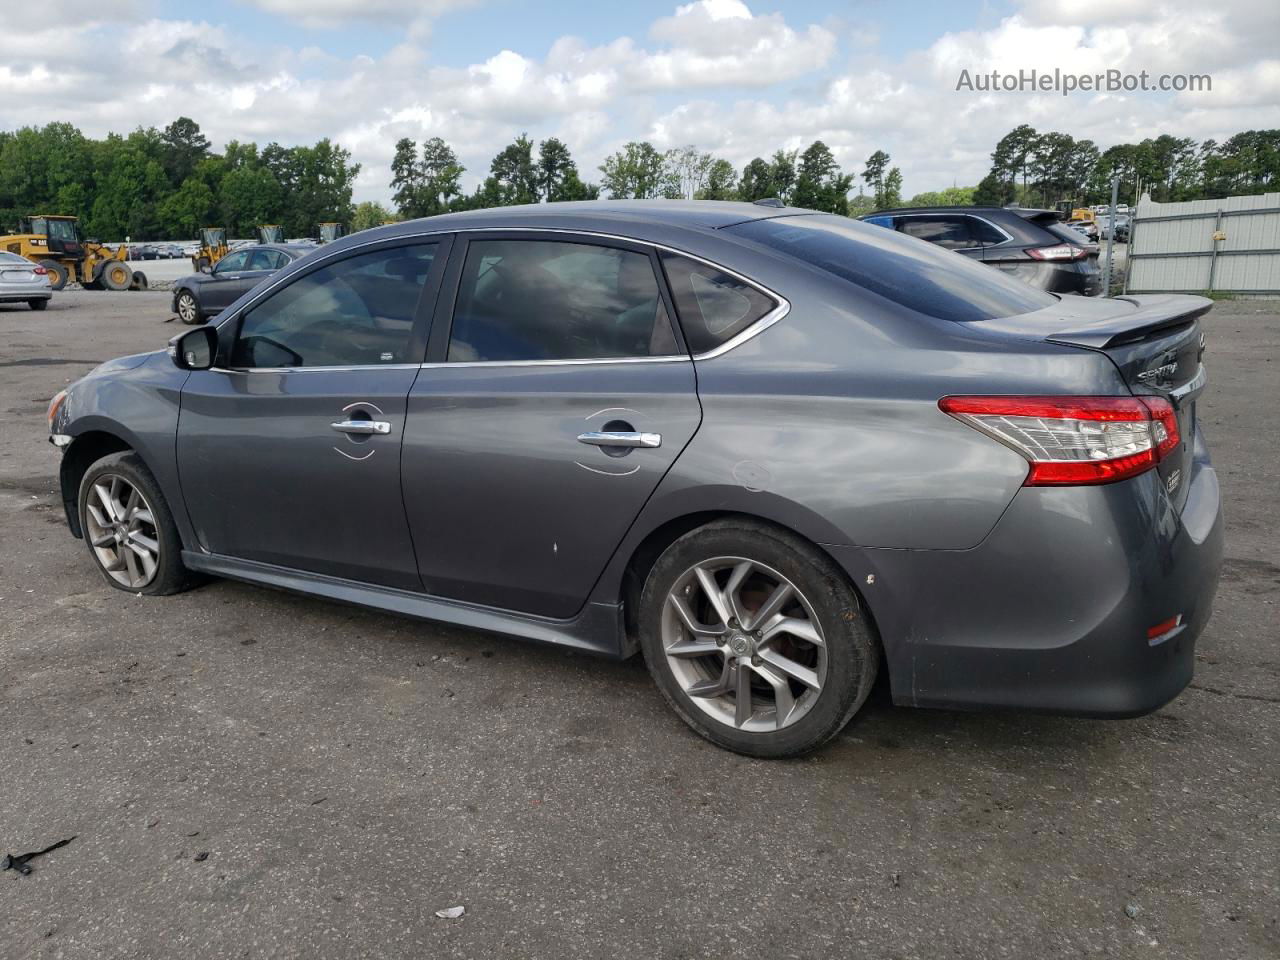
[908, 272]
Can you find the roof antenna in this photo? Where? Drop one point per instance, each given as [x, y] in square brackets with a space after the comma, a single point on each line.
[768, 202]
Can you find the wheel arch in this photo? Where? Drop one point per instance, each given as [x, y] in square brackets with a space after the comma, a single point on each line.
[84, 451]
[641, 558]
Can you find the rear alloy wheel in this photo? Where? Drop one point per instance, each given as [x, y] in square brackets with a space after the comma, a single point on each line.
[756, 639]
[129, 529]
[57, 274]
[188, 309]
[116, 275]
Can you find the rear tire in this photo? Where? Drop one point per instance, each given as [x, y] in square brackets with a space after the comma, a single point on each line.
[57, 274]
[138, 515]
[202, 264]
[806, 664]
[39, 303]
[116, 275]
[139, 281]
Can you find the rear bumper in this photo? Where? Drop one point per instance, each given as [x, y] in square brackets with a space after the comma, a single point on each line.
[1051, 612]
[22, 296]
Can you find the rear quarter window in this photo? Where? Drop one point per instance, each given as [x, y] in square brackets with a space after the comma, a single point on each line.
[912, 273]
[714, 306]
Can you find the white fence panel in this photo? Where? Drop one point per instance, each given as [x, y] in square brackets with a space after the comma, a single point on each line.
[1230, 245]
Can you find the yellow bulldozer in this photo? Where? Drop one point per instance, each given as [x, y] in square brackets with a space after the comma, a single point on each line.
[57, 244]
[213, 247]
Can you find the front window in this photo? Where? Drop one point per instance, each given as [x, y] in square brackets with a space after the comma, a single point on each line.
[356, 312]
[54, 229]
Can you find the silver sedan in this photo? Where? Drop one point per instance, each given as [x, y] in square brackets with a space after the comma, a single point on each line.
[20, 280]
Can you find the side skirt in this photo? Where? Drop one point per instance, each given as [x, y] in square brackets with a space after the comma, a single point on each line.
[598, 628]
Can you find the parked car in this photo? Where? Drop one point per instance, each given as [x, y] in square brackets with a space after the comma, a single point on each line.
[168, 251]
[1033, 246]
[1086, 228]
[198, 296]
[1122, 228]
[768, 448]
[22, 281]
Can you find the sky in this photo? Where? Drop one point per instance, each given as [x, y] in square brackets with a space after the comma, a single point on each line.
[736, 78]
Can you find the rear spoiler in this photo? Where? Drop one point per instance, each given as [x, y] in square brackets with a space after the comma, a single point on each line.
[1152, 313]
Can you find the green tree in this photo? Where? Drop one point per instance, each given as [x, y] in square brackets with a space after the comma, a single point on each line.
[820, 185]
[441, 173]
[950, 197]
[721, 183]
[247, 197]
[370, 214]
[406, 179]
[187, 209]
[558, 177]
[184, 147]
[685, 171]
[634, 172]
[513, 176]
[886, 182]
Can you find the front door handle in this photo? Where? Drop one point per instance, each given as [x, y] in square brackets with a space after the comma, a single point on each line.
[619, 438]
[363, 427]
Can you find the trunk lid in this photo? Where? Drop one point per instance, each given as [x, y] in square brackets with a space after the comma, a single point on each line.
[1156, 343]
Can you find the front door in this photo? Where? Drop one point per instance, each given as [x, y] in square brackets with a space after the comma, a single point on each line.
[553, 407]
[289, 449]
[225, 283]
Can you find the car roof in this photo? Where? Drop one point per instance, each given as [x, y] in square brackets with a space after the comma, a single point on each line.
[650, 220]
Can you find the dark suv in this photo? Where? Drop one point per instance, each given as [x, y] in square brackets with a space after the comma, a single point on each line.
[1031, 245]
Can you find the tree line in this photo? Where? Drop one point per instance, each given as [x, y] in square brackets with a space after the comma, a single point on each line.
[169, 183]
[1041, 169]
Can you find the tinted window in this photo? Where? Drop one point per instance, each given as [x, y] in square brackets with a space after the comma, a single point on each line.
[949, 232]
[267, 260]
[356, 312]
[984, 233]
[232, 262]
[545, 300]
[714, 307]
[919, 276]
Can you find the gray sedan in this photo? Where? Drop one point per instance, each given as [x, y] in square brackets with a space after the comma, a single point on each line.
[775, 451]
[202, 295]
[22, 281]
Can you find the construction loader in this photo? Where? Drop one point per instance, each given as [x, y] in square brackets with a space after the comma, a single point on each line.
[57, 244]
[213, 247]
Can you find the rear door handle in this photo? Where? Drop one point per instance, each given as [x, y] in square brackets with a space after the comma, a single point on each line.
[611, 438]
[363, 427]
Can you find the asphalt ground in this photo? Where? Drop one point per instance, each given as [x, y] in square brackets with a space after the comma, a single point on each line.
[348, 773]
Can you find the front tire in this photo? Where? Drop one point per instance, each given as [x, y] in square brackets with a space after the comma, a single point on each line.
[116, 275]
[756, 639]
[129, 528]
[188, 309]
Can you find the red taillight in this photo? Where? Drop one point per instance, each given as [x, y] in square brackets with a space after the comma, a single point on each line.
[39, 271]
[1063, 251]
[1074, 440]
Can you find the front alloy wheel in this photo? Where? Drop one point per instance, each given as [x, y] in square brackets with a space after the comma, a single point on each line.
[744, 644]
[121, 528]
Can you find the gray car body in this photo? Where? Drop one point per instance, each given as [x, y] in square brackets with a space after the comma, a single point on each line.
[825, 422]
[220, 287]
[19, 283]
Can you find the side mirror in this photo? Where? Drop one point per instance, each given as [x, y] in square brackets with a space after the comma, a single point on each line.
[194, 350]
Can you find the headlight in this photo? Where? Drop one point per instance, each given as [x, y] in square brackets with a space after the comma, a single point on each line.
[54, 406]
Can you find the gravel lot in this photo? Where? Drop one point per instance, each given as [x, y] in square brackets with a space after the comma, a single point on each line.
[348, 774]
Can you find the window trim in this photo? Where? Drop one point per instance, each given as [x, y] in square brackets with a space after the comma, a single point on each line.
[452, 274]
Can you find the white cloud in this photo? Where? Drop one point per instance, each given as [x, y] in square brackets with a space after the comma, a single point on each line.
[713, 73]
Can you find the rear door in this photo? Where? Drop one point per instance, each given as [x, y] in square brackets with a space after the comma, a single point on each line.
[556, 399]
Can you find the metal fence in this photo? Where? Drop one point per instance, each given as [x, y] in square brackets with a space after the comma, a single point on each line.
[1230, 245]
